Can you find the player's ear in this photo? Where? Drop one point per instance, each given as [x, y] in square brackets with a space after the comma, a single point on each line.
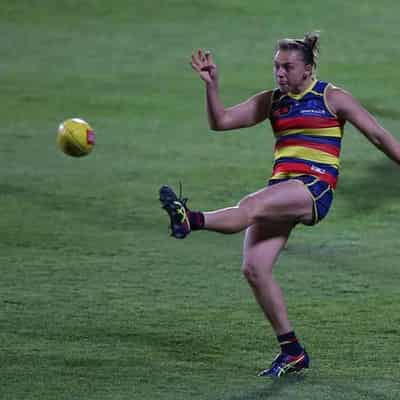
[309, 70]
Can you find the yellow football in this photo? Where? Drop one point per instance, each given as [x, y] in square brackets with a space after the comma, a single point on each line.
[75, 137]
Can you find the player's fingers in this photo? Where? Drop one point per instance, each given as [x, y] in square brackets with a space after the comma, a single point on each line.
[195, 61]
[208, 57]
[195, 67]
[205, 57]
[201, 56]
[209, 63]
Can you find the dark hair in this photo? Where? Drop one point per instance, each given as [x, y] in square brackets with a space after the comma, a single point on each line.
[308, 47]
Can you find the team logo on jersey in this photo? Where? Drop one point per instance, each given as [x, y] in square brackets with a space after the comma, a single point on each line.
[313, 107]
[317, 169]
[283, 110]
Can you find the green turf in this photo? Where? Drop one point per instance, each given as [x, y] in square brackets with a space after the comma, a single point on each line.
[96, 301]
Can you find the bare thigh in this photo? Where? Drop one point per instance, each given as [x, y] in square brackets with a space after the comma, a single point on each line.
[286, 202]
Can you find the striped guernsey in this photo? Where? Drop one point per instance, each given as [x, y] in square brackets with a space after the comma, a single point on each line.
[308, 135]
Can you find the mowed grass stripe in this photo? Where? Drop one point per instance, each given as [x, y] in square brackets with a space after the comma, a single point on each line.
[97, 302]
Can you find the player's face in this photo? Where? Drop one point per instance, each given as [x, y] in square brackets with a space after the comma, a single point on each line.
[290, 71]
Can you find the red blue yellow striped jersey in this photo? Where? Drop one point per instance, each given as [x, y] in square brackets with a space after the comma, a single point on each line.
[308, 134]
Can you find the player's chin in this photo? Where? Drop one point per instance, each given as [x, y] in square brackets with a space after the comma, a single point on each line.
[284, 87]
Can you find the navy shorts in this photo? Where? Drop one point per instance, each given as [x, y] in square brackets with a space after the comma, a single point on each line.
[321, 193]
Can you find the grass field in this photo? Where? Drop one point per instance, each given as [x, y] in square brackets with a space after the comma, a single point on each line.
[96, 301]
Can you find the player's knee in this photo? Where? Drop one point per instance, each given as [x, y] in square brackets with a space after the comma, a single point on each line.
[249, 273]
[253, 269]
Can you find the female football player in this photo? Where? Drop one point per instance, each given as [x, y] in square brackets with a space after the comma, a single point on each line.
[307, 116]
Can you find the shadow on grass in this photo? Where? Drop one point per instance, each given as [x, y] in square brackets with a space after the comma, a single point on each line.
[272, 388]
[299, 387]
[370, 191]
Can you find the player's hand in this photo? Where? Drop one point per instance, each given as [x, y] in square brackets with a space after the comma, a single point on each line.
[203, 64]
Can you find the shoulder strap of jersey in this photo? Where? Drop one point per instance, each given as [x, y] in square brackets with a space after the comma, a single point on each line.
[320, 86]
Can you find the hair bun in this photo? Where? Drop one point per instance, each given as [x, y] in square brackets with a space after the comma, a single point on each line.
[311, 40]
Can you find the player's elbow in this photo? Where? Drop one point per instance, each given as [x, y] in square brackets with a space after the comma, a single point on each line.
[388, 144]
[218, 128]
[214, 126]
[219, 124]
[396, 155]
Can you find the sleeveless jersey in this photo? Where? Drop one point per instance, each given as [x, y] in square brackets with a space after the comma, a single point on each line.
[308, 135]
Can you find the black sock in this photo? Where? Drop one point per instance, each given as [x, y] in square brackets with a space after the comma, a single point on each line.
[289, 344]
[196, 220]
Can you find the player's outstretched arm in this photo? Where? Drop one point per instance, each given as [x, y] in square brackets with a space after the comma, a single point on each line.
[248, 113]
[349, 109]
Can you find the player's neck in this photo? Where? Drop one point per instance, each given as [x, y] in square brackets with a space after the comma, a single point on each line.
[303, 88]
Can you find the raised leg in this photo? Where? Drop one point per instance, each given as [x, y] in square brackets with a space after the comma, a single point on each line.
[286, 202]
